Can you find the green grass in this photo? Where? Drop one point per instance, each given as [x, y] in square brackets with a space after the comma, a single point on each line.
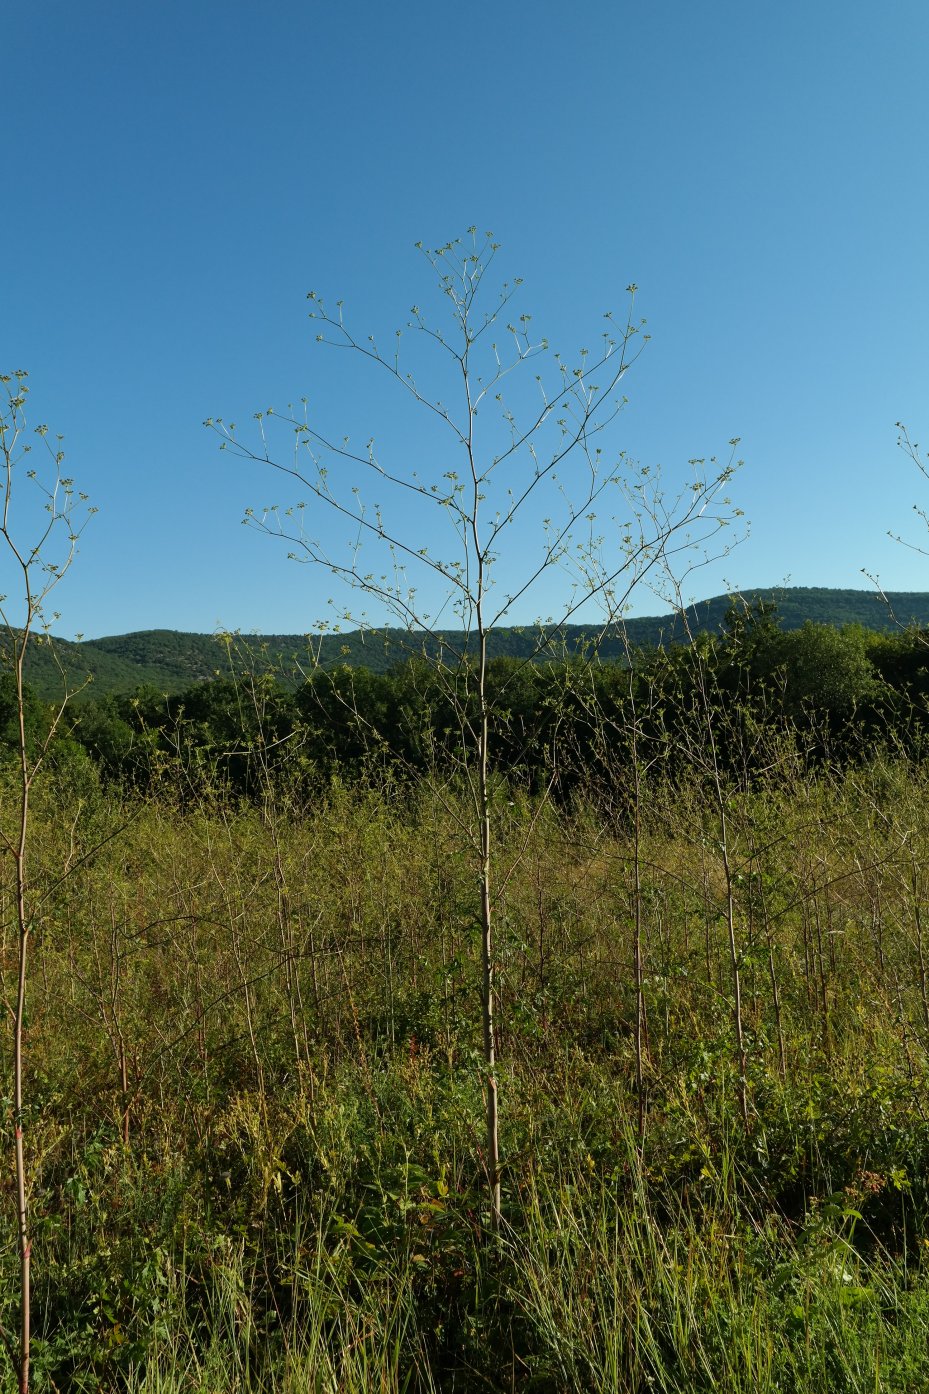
[255, 1085]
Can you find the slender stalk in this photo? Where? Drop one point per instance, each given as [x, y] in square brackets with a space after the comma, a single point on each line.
[38, 575]
[741, 1058]
[23, 926]
[710, 758]
[639, 967]
[920, 951]
[488, 965]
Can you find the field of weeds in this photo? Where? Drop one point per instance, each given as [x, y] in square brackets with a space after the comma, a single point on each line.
[255, 1077]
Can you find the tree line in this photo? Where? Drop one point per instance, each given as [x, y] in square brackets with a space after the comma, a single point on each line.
[836, 693]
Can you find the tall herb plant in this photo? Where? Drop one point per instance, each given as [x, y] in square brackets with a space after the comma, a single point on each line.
[525, 484]
[37, 553]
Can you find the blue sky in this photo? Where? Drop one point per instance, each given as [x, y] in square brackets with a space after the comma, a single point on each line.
[178, 176]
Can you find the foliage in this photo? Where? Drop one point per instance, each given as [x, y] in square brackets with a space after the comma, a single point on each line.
[172, 662]
[838, 692]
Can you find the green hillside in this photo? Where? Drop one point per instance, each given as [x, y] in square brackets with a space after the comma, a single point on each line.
[171, 661]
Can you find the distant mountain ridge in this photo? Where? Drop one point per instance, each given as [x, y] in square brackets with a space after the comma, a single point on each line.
[171, 660]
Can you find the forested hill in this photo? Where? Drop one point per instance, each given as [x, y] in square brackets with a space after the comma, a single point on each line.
[171, 661]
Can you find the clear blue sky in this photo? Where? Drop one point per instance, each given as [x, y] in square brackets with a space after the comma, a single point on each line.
[177, 176]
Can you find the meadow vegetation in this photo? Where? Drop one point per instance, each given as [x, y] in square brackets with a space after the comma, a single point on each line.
[254, 1047]
[273, 953]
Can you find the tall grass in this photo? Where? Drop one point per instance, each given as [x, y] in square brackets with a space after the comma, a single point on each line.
[255, 1046]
